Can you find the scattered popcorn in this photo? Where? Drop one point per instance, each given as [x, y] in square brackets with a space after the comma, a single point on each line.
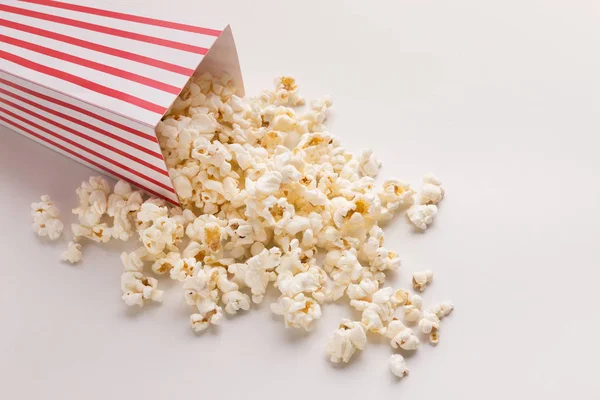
[412, 308]
[93, 201]
[368, 164]
[398, 365]
[442, 309]
[266, 193]
[201, 292]
[73, 253]
[432, 191]
[299, 311]
[201, 322]
[430, 322]
[46, 209]
[423, 212]
[349, 337]
[184, 268]
[396, 194]
[235, 301]
[257, 272]
[377, 308]
[136, 288]
[421, 279]
[285, 93]
[401, 336]
[46, 218]
[134, 261]
[421, 216]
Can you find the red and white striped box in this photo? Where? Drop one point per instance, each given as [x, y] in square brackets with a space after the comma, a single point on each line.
[92, 82]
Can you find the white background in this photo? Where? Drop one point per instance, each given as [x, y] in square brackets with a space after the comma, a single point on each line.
[498, 98]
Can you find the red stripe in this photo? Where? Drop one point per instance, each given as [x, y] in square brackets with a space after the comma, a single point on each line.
[98, 47]
[80, 110]
[105, 29]
[84, 83]
[84, 148]
[82, 123]
[85, 137]
[127, 17]
[80, 156]
[91, 64]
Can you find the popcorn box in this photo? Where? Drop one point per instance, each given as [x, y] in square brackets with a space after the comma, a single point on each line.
[92, 83]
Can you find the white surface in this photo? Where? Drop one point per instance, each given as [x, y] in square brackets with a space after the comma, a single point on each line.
[499, 98]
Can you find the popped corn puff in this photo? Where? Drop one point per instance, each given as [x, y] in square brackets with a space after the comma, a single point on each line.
[348, 338]
[398, 365]
[422, 279]
[73, 253]
[430, 322]
[422, 215]
[46, 218]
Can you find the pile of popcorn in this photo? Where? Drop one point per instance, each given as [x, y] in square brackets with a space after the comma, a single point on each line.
[264, 189]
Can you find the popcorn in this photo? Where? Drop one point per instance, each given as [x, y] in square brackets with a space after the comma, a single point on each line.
[162, 232]
[400, 298]
[201, 293]
[51, 227]
[348, 338]
[286, 91]
[377, 306]
[46, 218]
[149, 212]
[401, 336]
[430, 322]
[122, 206]
[368, 164]
[420, 280]
[184, 268]
[294, 280]
[73, 253]
[100, 233]
[313, 119]
[167, 264]
[443, 309]
[304, 282]
[379, 258]
[432, 191]
[93, 201]
[235, 301]
[269, 183]
[134, 261]
[347, 270]
[363, 290]
[207, 229]
[137, 288]
[182, 183]
[45, 209]
[396, 194]
[423, 213]
[267, 195]
[398, 365]
[201, 322]
[298, 311]
[197, 287]
[257, 272]
[421, 216]
[412, 308]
